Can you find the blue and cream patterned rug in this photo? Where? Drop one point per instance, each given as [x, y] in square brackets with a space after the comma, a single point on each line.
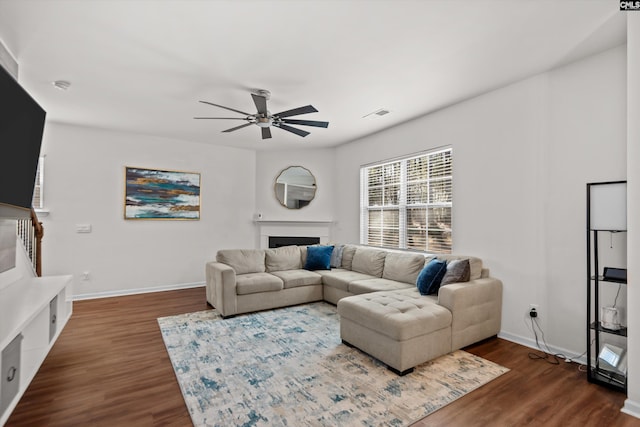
[287, 367]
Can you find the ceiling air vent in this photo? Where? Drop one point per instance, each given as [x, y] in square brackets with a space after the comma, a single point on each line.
[377, 113]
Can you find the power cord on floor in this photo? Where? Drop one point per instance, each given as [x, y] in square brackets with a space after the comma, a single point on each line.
[547, 355]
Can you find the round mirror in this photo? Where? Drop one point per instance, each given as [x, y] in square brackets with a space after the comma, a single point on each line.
[295, 187]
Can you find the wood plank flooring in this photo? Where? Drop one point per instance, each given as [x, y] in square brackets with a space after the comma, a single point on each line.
[110, 368]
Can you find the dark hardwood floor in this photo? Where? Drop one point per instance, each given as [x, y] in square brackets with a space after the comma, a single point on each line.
[110, 368]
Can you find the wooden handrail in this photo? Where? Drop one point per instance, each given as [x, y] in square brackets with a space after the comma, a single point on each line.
[37, 225]
[39, 234]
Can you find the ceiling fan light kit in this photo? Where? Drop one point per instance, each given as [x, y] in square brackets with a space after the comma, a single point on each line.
[265, 120]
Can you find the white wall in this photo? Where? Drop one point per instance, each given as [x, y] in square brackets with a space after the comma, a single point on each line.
[587, 143]
[522, 157]
[84, 172]
[269, 164]
[632, 404]
[23, 268]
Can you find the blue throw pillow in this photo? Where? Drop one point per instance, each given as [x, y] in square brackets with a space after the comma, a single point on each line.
[430, 277]
[318, 258]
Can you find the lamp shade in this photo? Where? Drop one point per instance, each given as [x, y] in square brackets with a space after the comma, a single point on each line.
[608, 206]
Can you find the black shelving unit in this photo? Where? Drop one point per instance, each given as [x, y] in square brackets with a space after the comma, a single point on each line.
[596, 333]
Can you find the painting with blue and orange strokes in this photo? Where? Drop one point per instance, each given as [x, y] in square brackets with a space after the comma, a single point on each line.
[158, 194]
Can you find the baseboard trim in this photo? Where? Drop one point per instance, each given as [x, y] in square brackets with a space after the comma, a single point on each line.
[125, 292]
[631, 408]
[528, 342]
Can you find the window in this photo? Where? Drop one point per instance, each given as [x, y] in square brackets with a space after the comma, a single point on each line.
[38, 200]
[406, 203]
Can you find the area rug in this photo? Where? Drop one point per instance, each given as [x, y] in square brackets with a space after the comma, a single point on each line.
[287, 367]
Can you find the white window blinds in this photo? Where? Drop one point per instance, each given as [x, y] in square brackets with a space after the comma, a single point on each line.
[38, 201]
[406, 203]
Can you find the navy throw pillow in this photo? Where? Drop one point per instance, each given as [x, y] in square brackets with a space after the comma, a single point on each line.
[318, 258]
[429, 279]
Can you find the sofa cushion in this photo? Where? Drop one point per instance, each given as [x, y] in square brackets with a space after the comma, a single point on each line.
[243, 260]
[374, 285]
[403, 267]
[252, 283]
[430, 277]
[474, 263]
[369, 261]
[297, 278]
[458, 271]
[336, 256]
[318, 258]
[347, 256]
[341, 279]
[331, 272]
[282, 258]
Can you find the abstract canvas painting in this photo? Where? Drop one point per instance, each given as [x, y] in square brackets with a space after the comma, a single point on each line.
[161, 194]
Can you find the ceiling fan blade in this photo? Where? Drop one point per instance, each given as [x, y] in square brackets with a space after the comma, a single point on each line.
[300, 132]
[222, 118]
[226, 108]
[306, 123]
[300, 110]
[238, 127]
[266, 133]
[261, 103]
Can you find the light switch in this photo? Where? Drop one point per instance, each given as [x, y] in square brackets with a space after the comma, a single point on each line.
[83, 228]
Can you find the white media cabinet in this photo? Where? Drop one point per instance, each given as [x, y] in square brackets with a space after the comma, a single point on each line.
[33, 312]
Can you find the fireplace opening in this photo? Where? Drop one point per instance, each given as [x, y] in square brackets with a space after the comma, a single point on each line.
[278, 241]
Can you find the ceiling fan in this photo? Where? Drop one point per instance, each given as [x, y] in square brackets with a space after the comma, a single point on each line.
[264, 119]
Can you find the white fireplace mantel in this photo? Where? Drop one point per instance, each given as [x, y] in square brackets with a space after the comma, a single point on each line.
[293, 221]
[293, 228]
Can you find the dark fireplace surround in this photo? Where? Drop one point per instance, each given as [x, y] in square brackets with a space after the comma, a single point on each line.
[278, 241]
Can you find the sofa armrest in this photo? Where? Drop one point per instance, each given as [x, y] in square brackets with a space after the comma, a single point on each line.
[221, 288]
[476, 307]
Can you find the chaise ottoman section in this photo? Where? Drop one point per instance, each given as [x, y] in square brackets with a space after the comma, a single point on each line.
[400, 329]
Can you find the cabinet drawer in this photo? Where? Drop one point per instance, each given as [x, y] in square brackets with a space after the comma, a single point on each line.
[10, 380]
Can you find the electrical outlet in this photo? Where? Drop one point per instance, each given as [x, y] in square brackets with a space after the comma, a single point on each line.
[85, 275]
[534, 307]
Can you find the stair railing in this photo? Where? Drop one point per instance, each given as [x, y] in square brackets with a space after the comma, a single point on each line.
[31, 232]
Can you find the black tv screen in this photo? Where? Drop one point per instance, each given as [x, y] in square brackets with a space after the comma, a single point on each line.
[21, 128]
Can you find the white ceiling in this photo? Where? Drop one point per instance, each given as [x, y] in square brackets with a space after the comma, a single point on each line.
[142, 66]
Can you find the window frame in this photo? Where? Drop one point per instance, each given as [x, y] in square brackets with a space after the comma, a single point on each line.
[443, 175]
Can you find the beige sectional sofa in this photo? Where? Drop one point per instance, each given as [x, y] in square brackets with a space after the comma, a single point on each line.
[381, 310]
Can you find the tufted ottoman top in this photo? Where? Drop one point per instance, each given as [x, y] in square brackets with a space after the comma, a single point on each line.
[400, 315]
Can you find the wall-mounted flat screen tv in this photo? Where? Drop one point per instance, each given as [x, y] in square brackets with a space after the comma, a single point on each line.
[21, 127]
